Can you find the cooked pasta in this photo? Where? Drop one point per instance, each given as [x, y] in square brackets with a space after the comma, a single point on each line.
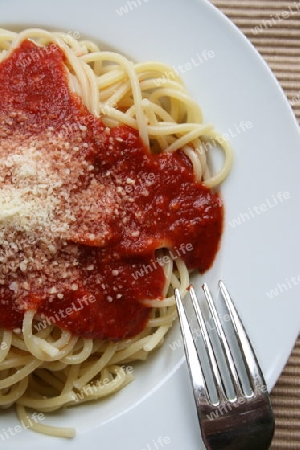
[44, 366]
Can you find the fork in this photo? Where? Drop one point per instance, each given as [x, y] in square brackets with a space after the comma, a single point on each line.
[246, 421]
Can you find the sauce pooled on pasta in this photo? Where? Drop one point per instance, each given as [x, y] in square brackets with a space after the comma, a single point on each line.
[85, 207]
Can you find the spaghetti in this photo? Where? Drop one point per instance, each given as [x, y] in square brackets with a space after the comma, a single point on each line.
[47, 357]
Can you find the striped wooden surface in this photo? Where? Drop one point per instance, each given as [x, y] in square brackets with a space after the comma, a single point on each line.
[273, 26]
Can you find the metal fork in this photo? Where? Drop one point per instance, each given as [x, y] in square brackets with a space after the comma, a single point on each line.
[246, 421]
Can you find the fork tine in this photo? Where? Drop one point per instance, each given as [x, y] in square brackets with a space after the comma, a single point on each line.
[199, 385]
[250, 360]
[208, 345]
[224, 342]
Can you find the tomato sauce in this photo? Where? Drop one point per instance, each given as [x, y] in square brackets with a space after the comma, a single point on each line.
[159, 205]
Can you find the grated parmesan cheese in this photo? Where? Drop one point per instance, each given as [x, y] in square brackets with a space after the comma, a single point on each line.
[49, 201]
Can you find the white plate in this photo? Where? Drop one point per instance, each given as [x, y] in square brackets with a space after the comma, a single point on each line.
[257, 256]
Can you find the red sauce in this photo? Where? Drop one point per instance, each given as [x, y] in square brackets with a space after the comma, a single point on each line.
[161, 204]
